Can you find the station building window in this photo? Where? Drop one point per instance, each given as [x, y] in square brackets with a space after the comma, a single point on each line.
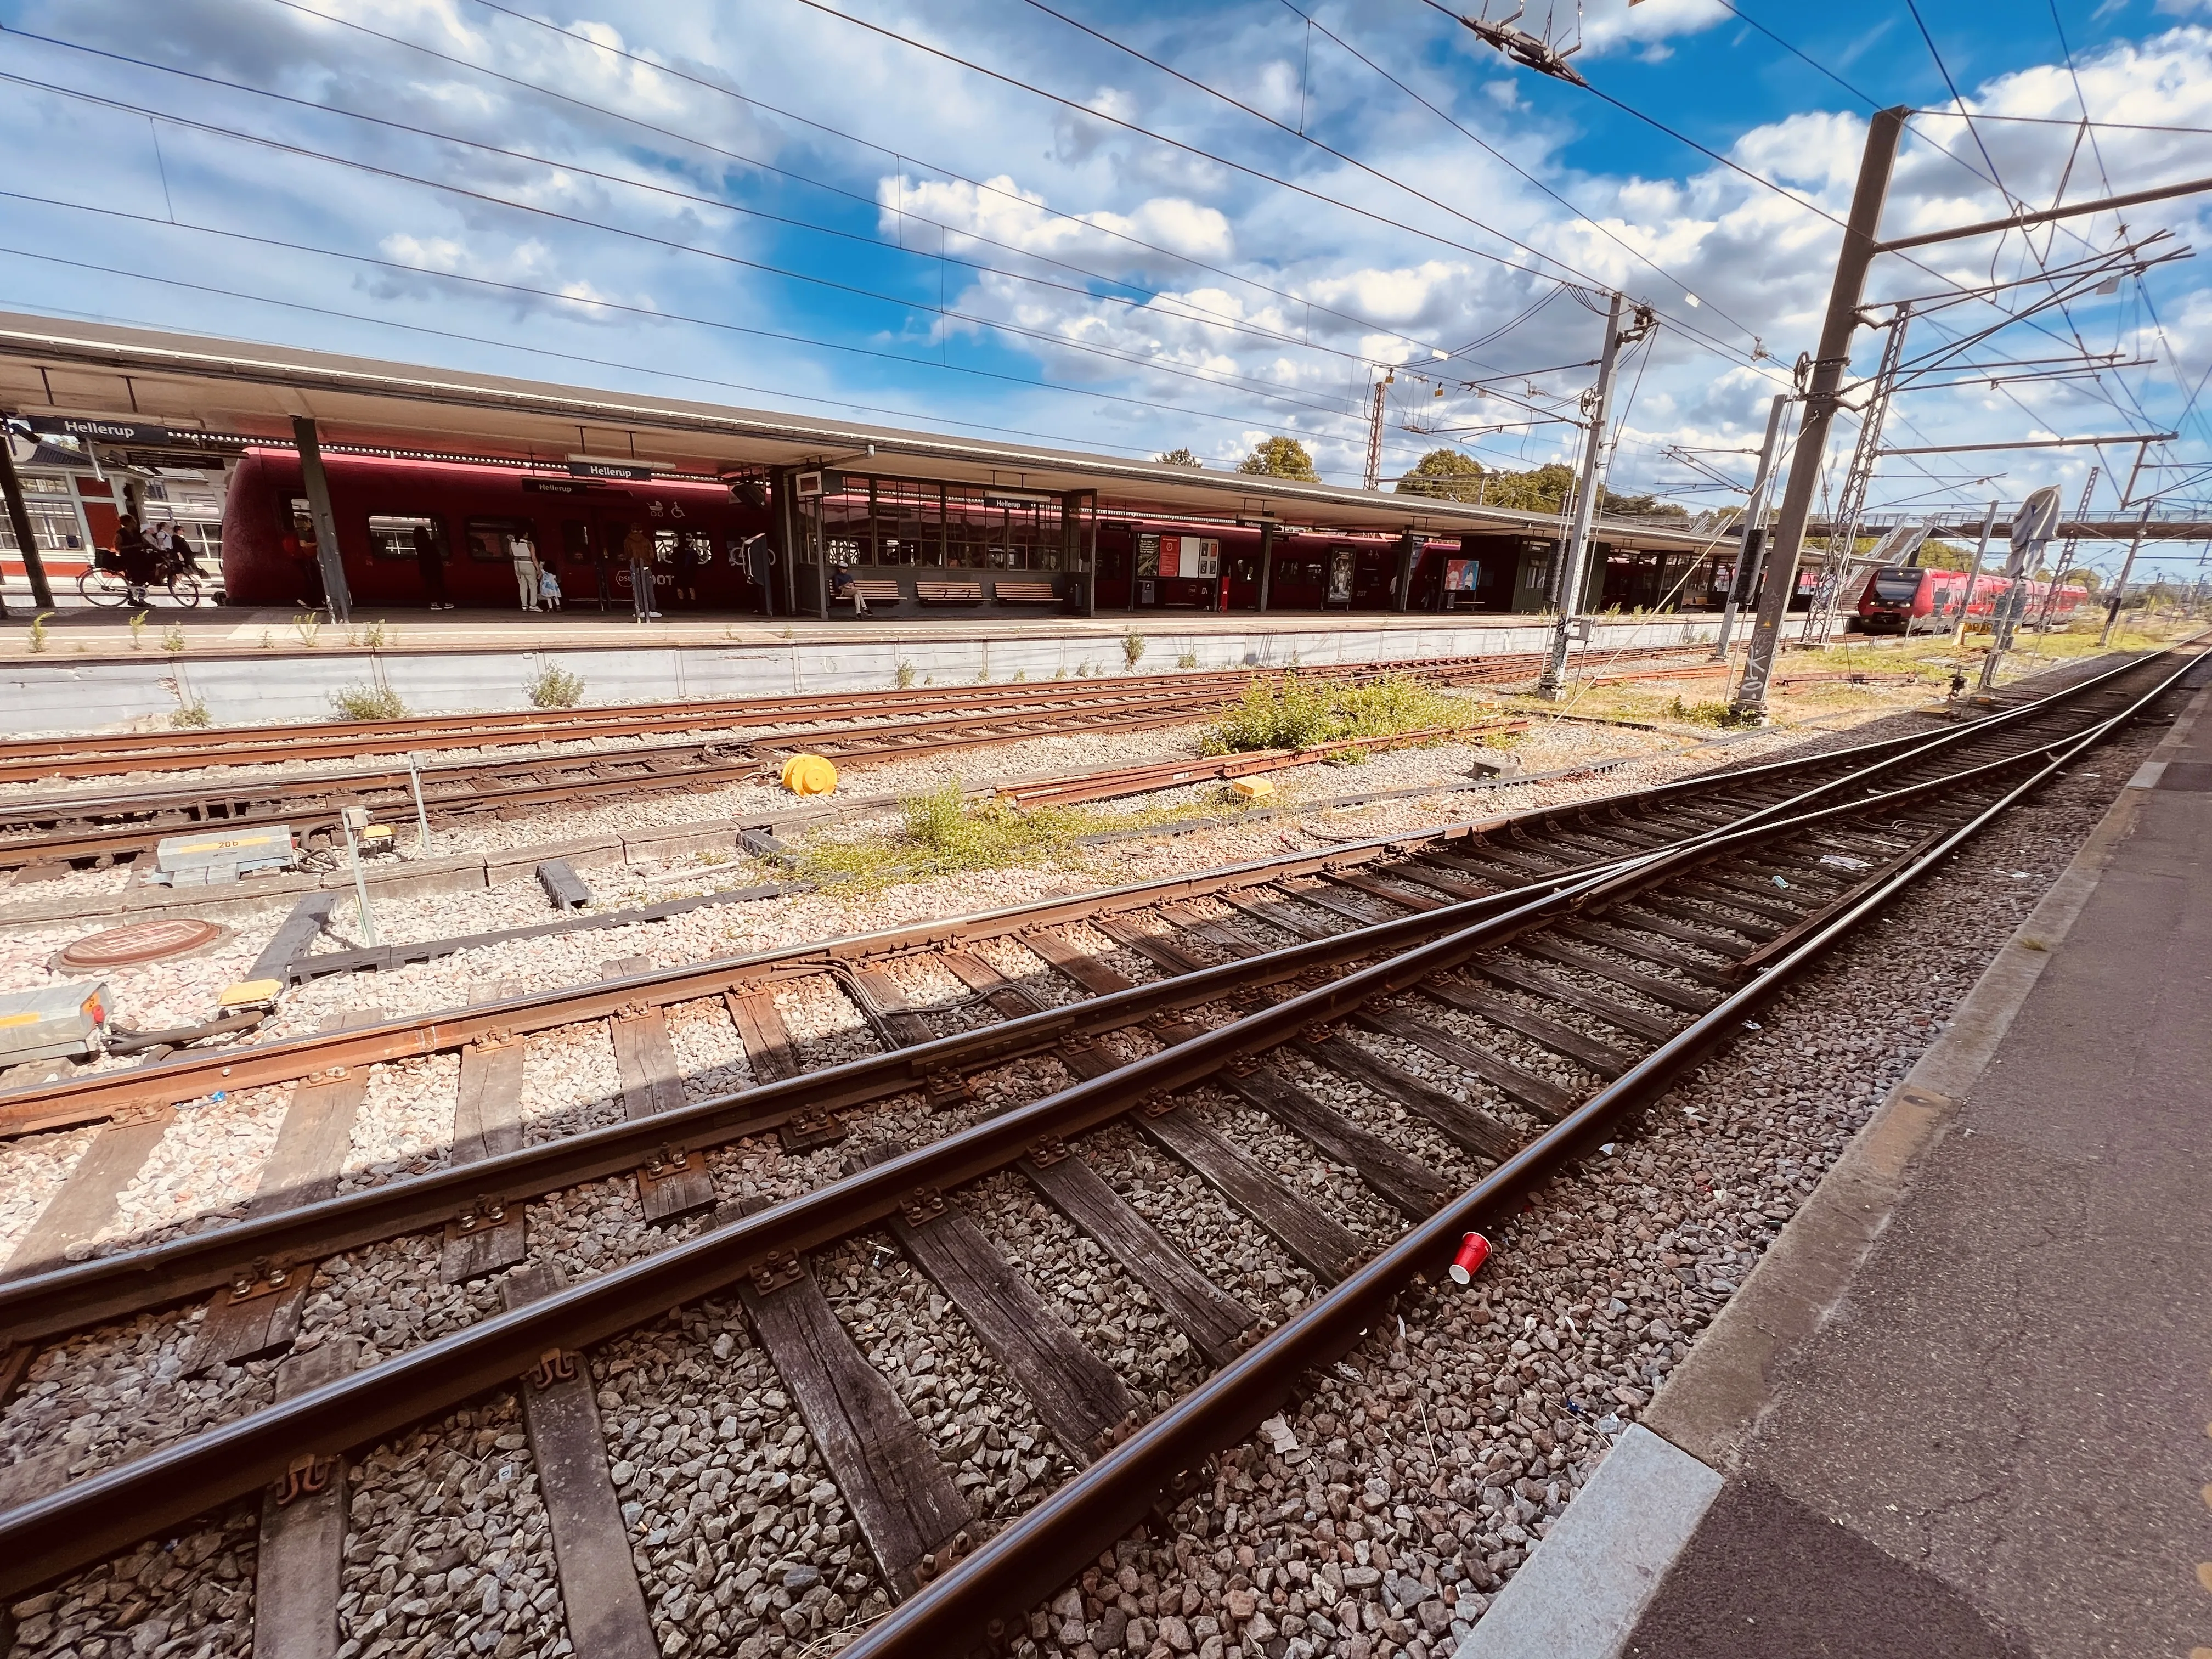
[394, 535]
[56, 524]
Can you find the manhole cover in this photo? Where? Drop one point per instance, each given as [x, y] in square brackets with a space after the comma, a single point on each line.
[142, 941]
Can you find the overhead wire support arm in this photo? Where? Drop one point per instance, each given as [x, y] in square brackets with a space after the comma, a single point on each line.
[2044, 216]
[2037, 443]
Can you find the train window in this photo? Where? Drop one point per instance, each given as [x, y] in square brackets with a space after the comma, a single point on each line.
[392, 535]
[492, 540]
[303, 521]
[576, 543]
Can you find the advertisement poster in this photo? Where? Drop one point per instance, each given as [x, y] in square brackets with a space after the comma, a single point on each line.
[1460, 575]
[1339, 575]
[1171, 555]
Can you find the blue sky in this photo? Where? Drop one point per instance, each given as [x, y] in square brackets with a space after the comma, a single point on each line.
[769, 204]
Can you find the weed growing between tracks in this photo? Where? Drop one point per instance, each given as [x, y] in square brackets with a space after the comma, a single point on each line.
[1287, 712]
[945, 834]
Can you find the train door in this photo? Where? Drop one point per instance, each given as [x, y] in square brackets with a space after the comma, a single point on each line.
[1241, 566]
[1297, 581]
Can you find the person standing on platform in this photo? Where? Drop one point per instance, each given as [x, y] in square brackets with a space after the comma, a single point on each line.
[525, 571]
[637, 548]
[430, 565]
[602, 570]
[687, 571]
[548, 589]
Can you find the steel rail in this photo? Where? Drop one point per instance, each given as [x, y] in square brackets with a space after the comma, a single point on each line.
[1060, 1535]
[129, 1282]
[90, 1518]
[189, 1076]
[135, 1282]
[97, 755]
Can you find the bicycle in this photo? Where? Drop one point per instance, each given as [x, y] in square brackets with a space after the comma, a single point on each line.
[102, 585]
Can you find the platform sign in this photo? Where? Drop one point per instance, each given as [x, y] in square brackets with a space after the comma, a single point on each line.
[629, 470]
[104, 429]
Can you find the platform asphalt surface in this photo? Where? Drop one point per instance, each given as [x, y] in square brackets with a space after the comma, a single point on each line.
[1998, 1446]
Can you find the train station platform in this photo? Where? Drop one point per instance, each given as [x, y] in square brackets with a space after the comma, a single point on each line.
[1961, 1407]
[451, 661]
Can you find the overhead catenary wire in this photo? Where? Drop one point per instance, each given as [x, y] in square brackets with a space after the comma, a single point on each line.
[1491, 150]
[1244, 168]
[669, 244]
[1089, 393]
[1089, 226]
[1144, 297]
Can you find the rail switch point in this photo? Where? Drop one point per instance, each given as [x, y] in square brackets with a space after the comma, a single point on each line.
[56, 1022]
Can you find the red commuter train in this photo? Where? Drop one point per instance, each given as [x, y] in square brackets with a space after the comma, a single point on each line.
[474, 515]
[1906, 599]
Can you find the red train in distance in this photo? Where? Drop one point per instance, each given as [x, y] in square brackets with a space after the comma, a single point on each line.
[475, 515]
[1906, 599]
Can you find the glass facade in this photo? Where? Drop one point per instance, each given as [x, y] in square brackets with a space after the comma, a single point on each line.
[878, 522]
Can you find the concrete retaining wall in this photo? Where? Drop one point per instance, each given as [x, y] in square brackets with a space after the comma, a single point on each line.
[244, 689]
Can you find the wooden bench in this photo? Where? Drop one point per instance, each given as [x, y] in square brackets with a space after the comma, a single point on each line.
[1025, 593]
[949, 593]
[874, 590]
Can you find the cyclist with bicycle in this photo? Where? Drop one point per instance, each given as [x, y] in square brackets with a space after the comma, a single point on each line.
[173, 554]
[135, 558]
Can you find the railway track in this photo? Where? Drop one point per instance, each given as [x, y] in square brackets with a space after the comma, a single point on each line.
[98, 828]
[29, 760]
[1451, 1016]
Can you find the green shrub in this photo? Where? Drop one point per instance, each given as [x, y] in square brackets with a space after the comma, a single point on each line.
[191, 714]
[1288, 712]
[368, 703]
[1132, 647]
[554, 688]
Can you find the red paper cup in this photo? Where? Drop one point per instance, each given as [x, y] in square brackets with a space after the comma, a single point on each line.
[1473, 1251]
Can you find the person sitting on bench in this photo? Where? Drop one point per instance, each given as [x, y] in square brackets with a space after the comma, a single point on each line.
[842, 586]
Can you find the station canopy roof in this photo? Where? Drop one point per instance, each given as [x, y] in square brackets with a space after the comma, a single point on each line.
[227, 389]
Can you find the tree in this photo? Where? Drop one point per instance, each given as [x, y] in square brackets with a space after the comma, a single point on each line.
[1280, 458]
[1179, 458]
[1645, 507]
[1945, 556]
[1445, 475]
